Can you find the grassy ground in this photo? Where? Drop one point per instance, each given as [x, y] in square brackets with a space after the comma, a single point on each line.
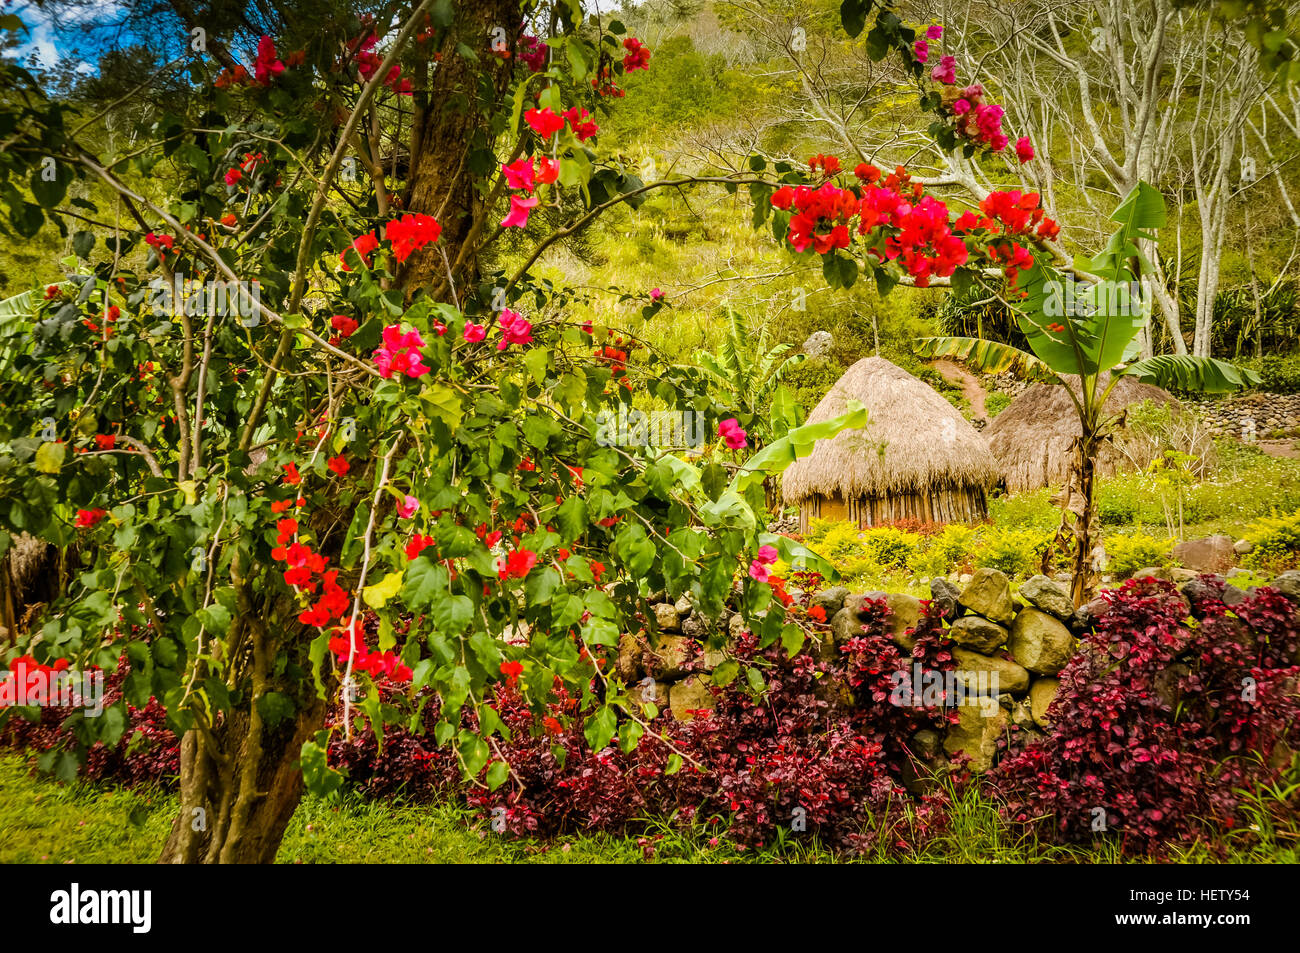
[45, 822]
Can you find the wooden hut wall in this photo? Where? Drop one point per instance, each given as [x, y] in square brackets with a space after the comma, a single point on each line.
[952, 505]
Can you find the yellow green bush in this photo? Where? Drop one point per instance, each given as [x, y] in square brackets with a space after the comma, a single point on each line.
[1128, 553]
[1276, 541]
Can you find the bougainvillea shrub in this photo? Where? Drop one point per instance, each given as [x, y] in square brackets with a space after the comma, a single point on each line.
[1164, 718]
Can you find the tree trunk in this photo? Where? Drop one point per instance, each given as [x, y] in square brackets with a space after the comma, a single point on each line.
[1085, 484]
[240, 778]
[448, 120]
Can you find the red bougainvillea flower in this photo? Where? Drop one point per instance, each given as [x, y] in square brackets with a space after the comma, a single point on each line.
[344, 325]
[519, 174]
[544, 122]
[410, 233]
[945, 71]
[233, 175]
[52, 291]
[417, 545]
[817, 614]
[515, 329]
[230, 220]
[512, 671]
[829, 165]
[516, 564]
[339, 464]
[519, 210]
[552, 725]
[160, 243]
[548, 171]
[105, 441]
[729, 430]
[408, 507]
[267, 66]
[1024, 149]
[291, 474]
[86, 518]
[474, 332]
[638, 55]
[363, 245]
[583, 127]
[867, 172]
[1056, 328]
[400, 353]
[227, 78]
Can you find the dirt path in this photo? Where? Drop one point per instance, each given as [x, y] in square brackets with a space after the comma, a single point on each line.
[970, 386]
[1279, 448]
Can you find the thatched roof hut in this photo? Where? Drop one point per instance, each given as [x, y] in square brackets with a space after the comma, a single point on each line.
[1031, 438]
[917, 458]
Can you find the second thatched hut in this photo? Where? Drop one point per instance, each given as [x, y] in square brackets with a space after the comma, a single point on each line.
[917, 458]
[1032, 438]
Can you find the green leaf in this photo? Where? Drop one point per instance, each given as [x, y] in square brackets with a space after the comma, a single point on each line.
[423, 581]
[376, 596]
[49, 456]
[600, 728]
[1194, 374]
[497, 774]
[443, 403]
[989, 357]
[779, 454]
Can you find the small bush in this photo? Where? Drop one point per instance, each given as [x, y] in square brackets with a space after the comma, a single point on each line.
[1032, 510]
[890, 546]
[950, 550]
[1125, 554]
[995, 403]
[1014, 552]
[1277, 543]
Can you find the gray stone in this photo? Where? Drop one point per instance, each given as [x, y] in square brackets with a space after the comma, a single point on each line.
[628, 663]
[668, 618]
[690, 695]
[819, 344]
[1042, 593]
[989, 594]
[1242, 546]
[1236, 572]
[736, 625]
[1041, 694]
[976, 733]
[904, 613]
[978, 633]
[943, 595]
[1154, 572]
[1208, 554]
[1010, 677]
[832, 599]
[1288, 583]
[925, 744]
[1040, 642]
[1021, 714]
[648, 691]
[1087, 614]
[683, 606]
[695, 626]
[845, 625]
[671, 655]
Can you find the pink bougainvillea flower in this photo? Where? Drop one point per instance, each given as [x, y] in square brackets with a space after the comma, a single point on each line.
[408, 507]
[267, 66]
[410, 233]
[544, 122]
[519, 174]
[474, 332]
[400, 353]
[921, 49]
[729, 430]
[363, 246]
[1024, 149]
[515, 329]
[548, 171]
[767, 555]
[519, 210]
[759, 572]
[933, 32]
[945, 71]
[655, 294]
[960, 107]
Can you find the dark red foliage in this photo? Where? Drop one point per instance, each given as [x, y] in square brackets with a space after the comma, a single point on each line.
[148, 751]
[1163, 717]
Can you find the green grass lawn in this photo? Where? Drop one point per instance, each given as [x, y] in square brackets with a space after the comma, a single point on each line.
[42, 821]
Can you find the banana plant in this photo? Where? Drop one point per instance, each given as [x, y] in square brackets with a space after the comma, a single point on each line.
[1083, 335]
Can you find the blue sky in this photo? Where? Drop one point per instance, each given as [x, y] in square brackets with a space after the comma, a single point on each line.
[46, 41]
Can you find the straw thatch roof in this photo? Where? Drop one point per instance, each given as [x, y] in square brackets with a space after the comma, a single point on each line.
[914, 441]
[1031, 438]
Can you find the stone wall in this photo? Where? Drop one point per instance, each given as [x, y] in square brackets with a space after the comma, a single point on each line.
[1258, 413]
[1008, 649]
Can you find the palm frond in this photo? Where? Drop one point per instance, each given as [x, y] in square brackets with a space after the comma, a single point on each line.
[988, 356]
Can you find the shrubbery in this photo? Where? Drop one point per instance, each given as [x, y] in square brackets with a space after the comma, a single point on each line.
[1276, 541]
[1162, 725]
[1126, 554]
